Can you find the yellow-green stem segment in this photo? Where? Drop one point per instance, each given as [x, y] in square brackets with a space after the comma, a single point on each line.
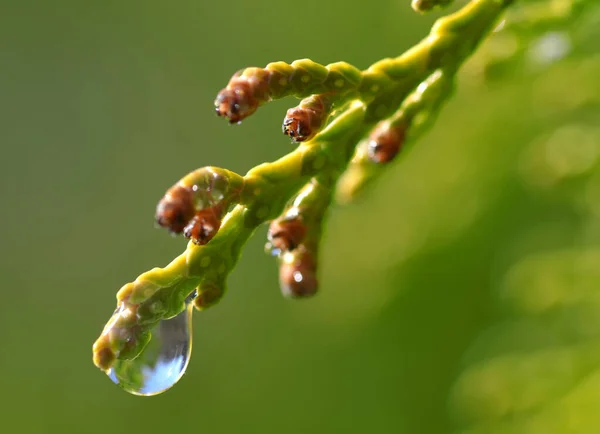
[373, 95]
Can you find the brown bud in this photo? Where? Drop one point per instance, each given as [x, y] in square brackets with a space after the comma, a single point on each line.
[175, 209]
[302, 123]
[104, 357]
[298, 276]
[242, 96]
[385, 142]
[286, 234]
[208, 295]
[203, 226]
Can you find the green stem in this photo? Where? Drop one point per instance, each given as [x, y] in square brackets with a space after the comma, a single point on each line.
[372, 95]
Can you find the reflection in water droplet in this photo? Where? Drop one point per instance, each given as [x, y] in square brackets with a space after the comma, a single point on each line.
[270, 249]
[163, 361]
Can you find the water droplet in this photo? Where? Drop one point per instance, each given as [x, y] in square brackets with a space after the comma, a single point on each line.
[164, 359]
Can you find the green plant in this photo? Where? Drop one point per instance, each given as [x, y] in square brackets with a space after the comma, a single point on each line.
[348, 126]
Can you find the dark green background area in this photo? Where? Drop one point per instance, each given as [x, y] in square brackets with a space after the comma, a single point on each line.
[460, 295]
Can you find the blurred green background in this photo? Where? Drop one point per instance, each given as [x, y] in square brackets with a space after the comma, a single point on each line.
[462, 294]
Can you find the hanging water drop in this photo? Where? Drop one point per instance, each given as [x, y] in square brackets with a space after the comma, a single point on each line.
[164, 359]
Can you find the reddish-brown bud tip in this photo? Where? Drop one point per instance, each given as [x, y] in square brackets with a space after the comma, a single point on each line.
[236, 102]
[286, 234]
[203, 226]
[242, 96]
[175, 209]
[385, 143]
[304, 122]
[208, 295]
[298, 124]
[103, 356]
[298, 278]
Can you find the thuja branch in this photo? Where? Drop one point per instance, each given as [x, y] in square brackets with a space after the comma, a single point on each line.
[348, 126]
